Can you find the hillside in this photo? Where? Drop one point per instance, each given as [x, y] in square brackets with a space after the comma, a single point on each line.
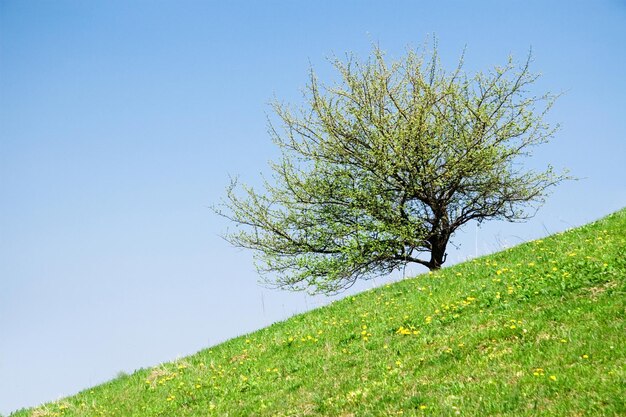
[534, 330]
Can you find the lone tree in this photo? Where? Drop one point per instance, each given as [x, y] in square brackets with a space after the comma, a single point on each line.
[385, 165]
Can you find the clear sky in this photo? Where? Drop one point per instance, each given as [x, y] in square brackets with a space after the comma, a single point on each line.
[120, 122]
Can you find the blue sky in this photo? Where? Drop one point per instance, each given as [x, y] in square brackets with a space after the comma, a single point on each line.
[121, 121]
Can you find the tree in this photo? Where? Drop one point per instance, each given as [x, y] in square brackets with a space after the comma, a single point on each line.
[385, 165]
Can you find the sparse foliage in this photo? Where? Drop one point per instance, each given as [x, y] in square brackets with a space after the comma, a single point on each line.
[387, 164]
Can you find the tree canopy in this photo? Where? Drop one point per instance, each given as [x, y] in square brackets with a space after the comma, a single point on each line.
[379, 169]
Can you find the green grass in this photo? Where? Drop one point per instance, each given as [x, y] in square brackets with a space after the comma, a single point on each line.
[534, 330]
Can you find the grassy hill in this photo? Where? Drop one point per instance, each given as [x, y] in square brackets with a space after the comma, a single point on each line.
[534, 330]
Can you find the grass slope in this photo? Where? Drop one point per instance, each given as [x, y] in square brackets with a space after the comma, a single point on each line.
[534, 330]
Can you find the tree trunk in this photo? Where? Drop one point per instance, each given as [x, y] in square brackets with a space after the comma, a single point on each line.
[438, 253]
